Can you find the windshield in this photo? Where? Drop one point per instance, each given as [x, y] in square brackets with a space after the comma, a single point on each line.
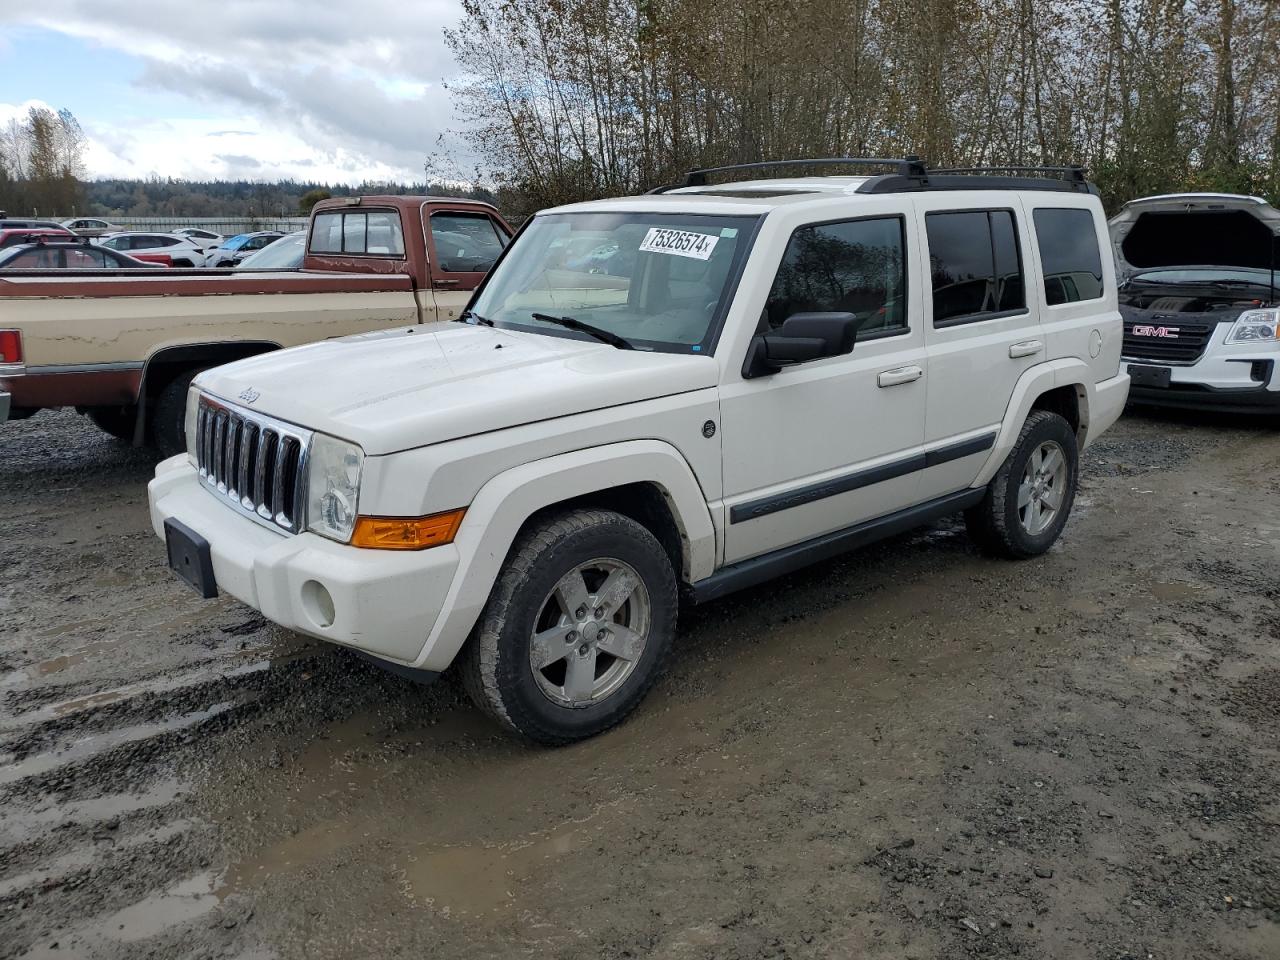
[1184, 275]
[283, 254]
[659, 281]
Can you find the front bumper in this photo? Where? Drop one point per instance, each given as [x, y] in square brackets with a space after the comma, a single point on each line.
[382, 602]
[1199, 396]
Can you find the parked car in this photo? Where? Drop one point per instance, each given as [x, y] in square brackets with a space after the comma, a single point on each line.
[12, 223]
[1199, 300]
[55, 254]
[773, 382]
[180, 251]
[90, 227]
[285, 253]
[205, 238]
[232, 251]
[12, 236]
[123, 349]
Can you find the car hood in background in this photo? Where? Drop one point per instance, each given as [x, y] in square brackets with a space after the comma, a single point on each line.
[394, 390]
[1195, 229]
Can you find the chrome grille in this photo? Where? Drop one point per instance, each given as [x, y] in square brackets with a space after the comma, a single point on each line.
[1185, 341]
[253, 462]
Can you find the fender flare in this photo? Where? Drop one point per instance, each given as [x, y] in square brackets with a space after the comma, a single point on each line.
[1039, 379]
[507, 501]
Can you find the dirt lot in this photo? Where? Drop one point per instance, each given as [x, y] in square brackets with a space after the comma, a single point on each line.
[914, 752]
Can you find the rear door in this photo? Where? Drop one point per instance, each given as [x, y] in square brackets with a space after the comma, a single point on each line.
[981, 331]
[461, 248]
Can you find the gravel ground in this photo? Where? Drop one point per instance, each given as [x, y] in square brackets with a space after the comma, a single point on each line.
[912, 752]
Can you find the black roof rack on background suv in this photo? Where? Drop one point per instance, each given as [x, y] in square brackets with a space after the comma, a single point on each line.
[911, 174]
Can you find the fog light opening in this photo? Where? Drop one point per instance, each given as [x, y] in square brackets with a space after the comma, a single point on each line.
[318, 603]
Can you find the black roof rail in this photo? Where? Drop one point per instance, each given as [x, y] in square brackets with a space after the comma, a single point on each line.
[1072, 173]
[911, 167]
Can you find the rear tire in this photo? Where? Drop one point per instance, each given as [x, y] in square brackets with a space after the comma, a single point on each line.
[167, 418]
[577, 629]
[117, 421]
[1028, 501]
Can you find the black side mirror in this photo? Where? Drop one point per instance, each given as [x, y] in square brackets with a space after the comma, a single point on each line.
[802, 337]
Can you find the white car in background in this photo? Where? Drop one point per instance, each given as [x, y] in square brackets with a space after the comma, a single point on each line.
[205, 238]
[284, 254]
[182, 252]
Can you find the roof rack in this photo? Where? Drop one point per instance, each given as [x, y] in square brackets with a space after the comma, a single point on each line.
[910, 174]
[908, 167]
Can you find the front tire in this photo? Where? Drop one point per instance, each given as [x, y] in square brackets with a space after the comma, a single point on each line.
[1029, 499]
[577, 629]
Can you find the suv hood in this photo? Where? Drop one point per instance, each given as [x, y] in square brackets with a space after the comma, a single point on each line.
[1195, 229]
[397, 389]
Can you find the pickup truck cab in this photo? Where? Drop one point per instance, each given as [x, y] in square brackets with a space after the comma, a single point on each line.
[1198, 293]
[121, 346]
[678, 394]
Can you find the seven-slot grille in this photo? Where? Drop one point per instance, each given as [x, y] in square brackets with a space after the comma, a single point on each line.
[257, 463]
[1167, 340]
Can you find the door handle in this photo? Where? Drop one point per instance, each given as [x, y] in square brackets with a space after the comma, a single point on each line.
[445, 283]
[891, 378]
[1025, 348]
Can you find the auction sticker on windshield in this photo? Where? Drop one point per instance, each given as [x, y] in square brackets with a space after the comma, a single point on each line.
[681, 243]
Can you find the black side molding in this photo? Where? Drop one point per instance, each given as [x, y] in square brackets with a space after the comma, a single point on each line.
[860, 478]
[757, 570]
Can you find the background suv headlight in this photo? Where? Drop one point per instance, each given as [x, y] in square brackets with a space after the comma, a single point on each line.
[333, 486]
[1254, 326]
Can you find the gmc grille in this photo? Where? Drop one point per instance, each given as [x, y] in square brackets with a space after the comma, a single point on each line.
[255, 463]
[1181, 342]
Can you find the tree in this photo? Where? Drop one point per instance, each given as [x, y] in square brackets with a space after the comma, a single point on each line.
[311, 198]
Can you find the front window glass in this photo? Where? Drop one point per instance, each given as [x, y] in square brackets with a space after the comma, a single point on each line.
[465, 242]
[659, 281]
[856, 267]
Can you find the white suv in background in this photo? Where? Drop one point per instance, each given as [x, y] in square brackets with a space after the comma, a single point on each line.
[674, 395]
[181, 251]
[1199, 275]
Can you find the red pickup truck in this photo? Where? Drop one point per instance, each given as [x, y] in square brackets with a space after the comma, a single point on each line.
[122, 346]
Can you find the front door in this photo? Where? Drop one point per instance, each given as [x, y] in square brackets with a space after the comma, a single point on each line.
[461, 249]
[825, 445]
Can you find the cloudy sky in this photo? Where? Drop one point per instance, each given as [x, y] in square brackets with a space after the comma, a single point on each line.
[328, 90]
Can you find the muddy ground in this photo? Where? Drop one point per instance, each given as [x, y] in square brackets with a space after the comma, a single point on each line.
[913, 752]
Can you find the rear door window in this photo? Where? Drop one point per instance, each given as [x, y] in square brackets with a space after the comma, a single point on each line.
[1068, 242]
[975, 266]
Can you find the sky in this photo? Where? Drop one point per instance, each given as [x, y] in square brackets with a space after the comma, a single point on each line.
[325, 90]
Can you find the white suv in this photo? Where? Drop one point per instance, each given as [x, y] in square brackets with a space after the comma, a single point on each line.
[674, 395]
[1198, 295]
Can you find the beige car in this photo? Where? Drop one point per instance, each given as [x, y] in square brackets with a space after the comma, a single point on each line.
[122, 346]
[91, 227]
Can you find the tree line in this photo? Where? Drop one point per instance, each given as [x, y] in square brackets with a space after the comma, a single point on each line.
[574, 99]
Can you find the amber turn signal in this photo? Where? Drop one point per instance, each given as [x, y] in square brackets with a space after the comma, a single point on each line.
[407, 533]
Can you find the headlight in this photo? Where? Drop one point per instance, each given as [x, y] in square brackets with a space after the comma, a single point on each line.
[1254, 326]
[333, 486]
[189, 422]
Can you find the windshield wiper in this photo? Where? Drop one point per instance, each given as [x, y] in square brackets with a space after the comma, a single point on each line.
[468, 315]
[569, 323]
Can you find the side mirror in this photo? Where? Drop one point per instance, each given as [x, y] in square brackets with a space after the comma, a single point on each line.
[802, 337]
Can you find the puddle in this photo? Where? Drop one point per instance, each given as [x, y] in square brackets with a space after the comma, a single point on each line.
[1173, 591]
[152, 915]
[474, 880]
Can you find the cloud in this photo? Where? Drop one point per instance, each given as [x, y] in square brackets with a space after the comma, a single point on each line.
[352, 89]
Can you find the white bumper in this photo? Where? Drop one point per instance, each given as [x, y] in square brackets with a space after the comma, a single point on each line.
[384, 602]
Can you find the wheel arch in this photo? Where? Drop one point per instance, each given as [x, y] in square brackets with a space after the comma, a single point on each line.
[646, 480]
[1061, 386]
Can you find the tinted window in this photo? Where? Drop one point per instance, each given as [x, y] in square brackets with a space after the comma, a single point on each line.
[370, 233]
[470, 243]
[857, 267]
[975, 265]
[34, 260]
[1069, 253]
[86, 258]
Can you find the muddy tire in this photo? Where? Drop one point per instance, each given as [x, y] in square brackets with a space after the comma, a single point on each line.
[167, 418]
[119, 422]
[577, 629]
[1028, 501]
